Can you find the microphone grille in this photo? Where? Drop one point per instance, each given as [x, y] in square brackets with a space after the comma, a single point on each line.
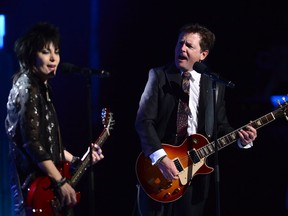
[199, 67]
[67, 67]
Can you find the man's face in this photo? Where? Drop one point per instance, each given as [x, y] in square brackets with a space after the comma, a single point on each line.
[188, 51]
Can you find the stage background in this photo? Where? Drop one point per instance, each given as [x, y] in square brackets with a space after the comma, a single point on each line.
[127, 38]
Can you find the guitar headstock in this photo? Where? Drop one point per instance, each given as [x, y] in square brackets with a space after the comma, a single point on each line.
[107, 118]
[282, 110]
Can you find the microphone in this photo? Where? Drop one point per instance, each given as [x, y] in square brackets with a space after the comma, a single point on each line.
[68, 68]
[203, 69]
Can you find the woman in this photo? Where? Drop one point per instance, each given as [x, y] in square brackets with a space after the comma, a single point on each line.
[32, 125]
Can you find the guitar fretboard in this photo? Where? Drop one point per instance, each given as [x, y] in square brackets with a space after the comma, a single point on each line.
[86, 161]
[231, 137]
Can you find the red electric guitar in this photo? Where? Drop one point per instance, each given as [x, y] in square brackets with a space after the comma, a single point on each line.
[190, 160]
[41, 197]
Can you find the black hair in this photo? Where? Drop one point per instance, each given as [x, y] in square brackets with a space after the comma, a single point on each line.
[27, 46]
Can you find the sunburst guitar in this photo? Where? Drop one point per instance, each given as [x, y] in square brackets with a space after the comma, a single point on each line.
[190, 160]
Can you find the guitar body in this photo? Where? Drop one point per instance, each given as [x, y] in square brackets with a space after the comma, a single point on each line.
[190, 160]
[154, 183]
[42, 199]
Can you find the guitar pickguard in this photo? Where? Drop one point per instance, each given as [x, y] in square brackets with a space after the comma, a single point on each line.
[187, 174]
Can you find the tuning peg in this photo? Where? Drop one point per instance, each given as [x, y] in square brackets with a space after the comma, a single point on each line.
[278, 102]
[285, 114]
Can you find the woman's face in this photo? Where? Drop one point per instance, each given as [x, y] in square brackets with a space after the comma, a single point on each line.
[47, 61]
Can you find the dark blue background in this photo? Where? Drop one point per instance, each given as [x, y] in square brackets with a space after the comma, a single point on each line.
[127, 38]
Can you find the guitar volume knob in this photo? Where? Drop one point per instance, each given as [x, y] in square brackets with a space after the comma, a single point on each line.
[177, 190]
[167, 195]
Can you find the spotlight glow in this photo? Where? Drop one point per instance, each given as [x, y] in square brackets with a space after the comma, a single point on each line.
[2, 30]
[276, 99]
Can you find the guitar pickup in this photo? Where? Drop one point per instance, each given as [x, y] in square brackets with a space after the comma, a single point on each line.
[194, 157]
[178, 165]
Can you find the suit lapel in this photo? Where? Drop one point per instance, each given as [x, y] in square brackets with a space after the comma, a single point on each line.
[206, 110]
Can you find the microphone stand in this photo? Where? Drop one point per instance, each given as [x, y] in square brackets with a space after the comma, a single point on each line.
[92, 186]
[217, 171]
[203, 69]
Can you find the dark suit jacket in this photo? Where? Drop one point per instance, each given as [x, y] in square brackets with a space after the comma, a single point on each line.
[157, 114]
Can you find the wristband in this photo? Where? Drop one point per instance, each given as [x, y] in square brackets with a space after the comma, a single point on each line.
[60, 183]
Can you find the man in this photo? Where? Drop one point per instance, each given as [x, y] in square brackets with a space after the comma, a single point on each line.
[156, 120]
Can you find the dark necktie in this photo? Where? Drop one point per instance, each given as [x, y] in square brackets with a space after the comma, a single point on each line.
[183, 109]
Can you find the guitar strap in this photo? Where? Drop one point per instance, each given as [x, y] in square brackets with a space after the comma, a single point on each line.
[61, 148]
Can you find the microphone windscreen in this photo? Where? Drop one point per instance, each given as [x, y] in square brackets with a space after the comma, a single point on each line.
[68, 68]
[200, 67]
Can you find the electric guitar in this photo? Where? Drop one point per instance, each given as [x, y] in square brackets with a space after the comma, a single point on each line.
[42, 199]
[190, 160]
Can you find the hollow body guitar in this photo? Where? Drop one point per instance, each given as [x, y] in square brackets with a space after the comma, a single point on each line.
[190, 160]
[42, 199]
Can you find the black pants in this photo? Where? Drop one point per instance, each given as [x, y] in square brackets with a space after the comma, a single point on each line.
[181, 207]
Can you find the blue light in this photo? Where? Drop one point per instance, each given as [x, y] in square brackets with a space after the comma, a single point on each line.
[276, 99]
[2, 30]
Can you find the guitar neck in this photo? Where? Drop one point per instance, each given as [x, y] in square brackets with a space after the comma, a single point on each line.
[86, 161]
[228, 139]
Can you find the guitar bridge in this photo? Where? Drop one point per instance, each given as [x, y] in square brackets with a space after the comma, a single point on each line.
[194, 157]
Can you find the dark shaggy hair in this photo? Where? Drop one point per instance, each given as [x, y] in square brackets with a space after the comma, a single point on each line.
[33, 41]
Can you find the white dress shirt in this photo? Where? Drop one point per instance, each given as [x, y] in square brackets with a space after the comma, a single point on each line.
[194, 93]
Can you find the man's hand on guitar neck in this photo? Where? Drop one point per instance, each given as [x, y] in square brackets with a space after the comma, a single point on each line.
[247, 135]
[168, 168]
